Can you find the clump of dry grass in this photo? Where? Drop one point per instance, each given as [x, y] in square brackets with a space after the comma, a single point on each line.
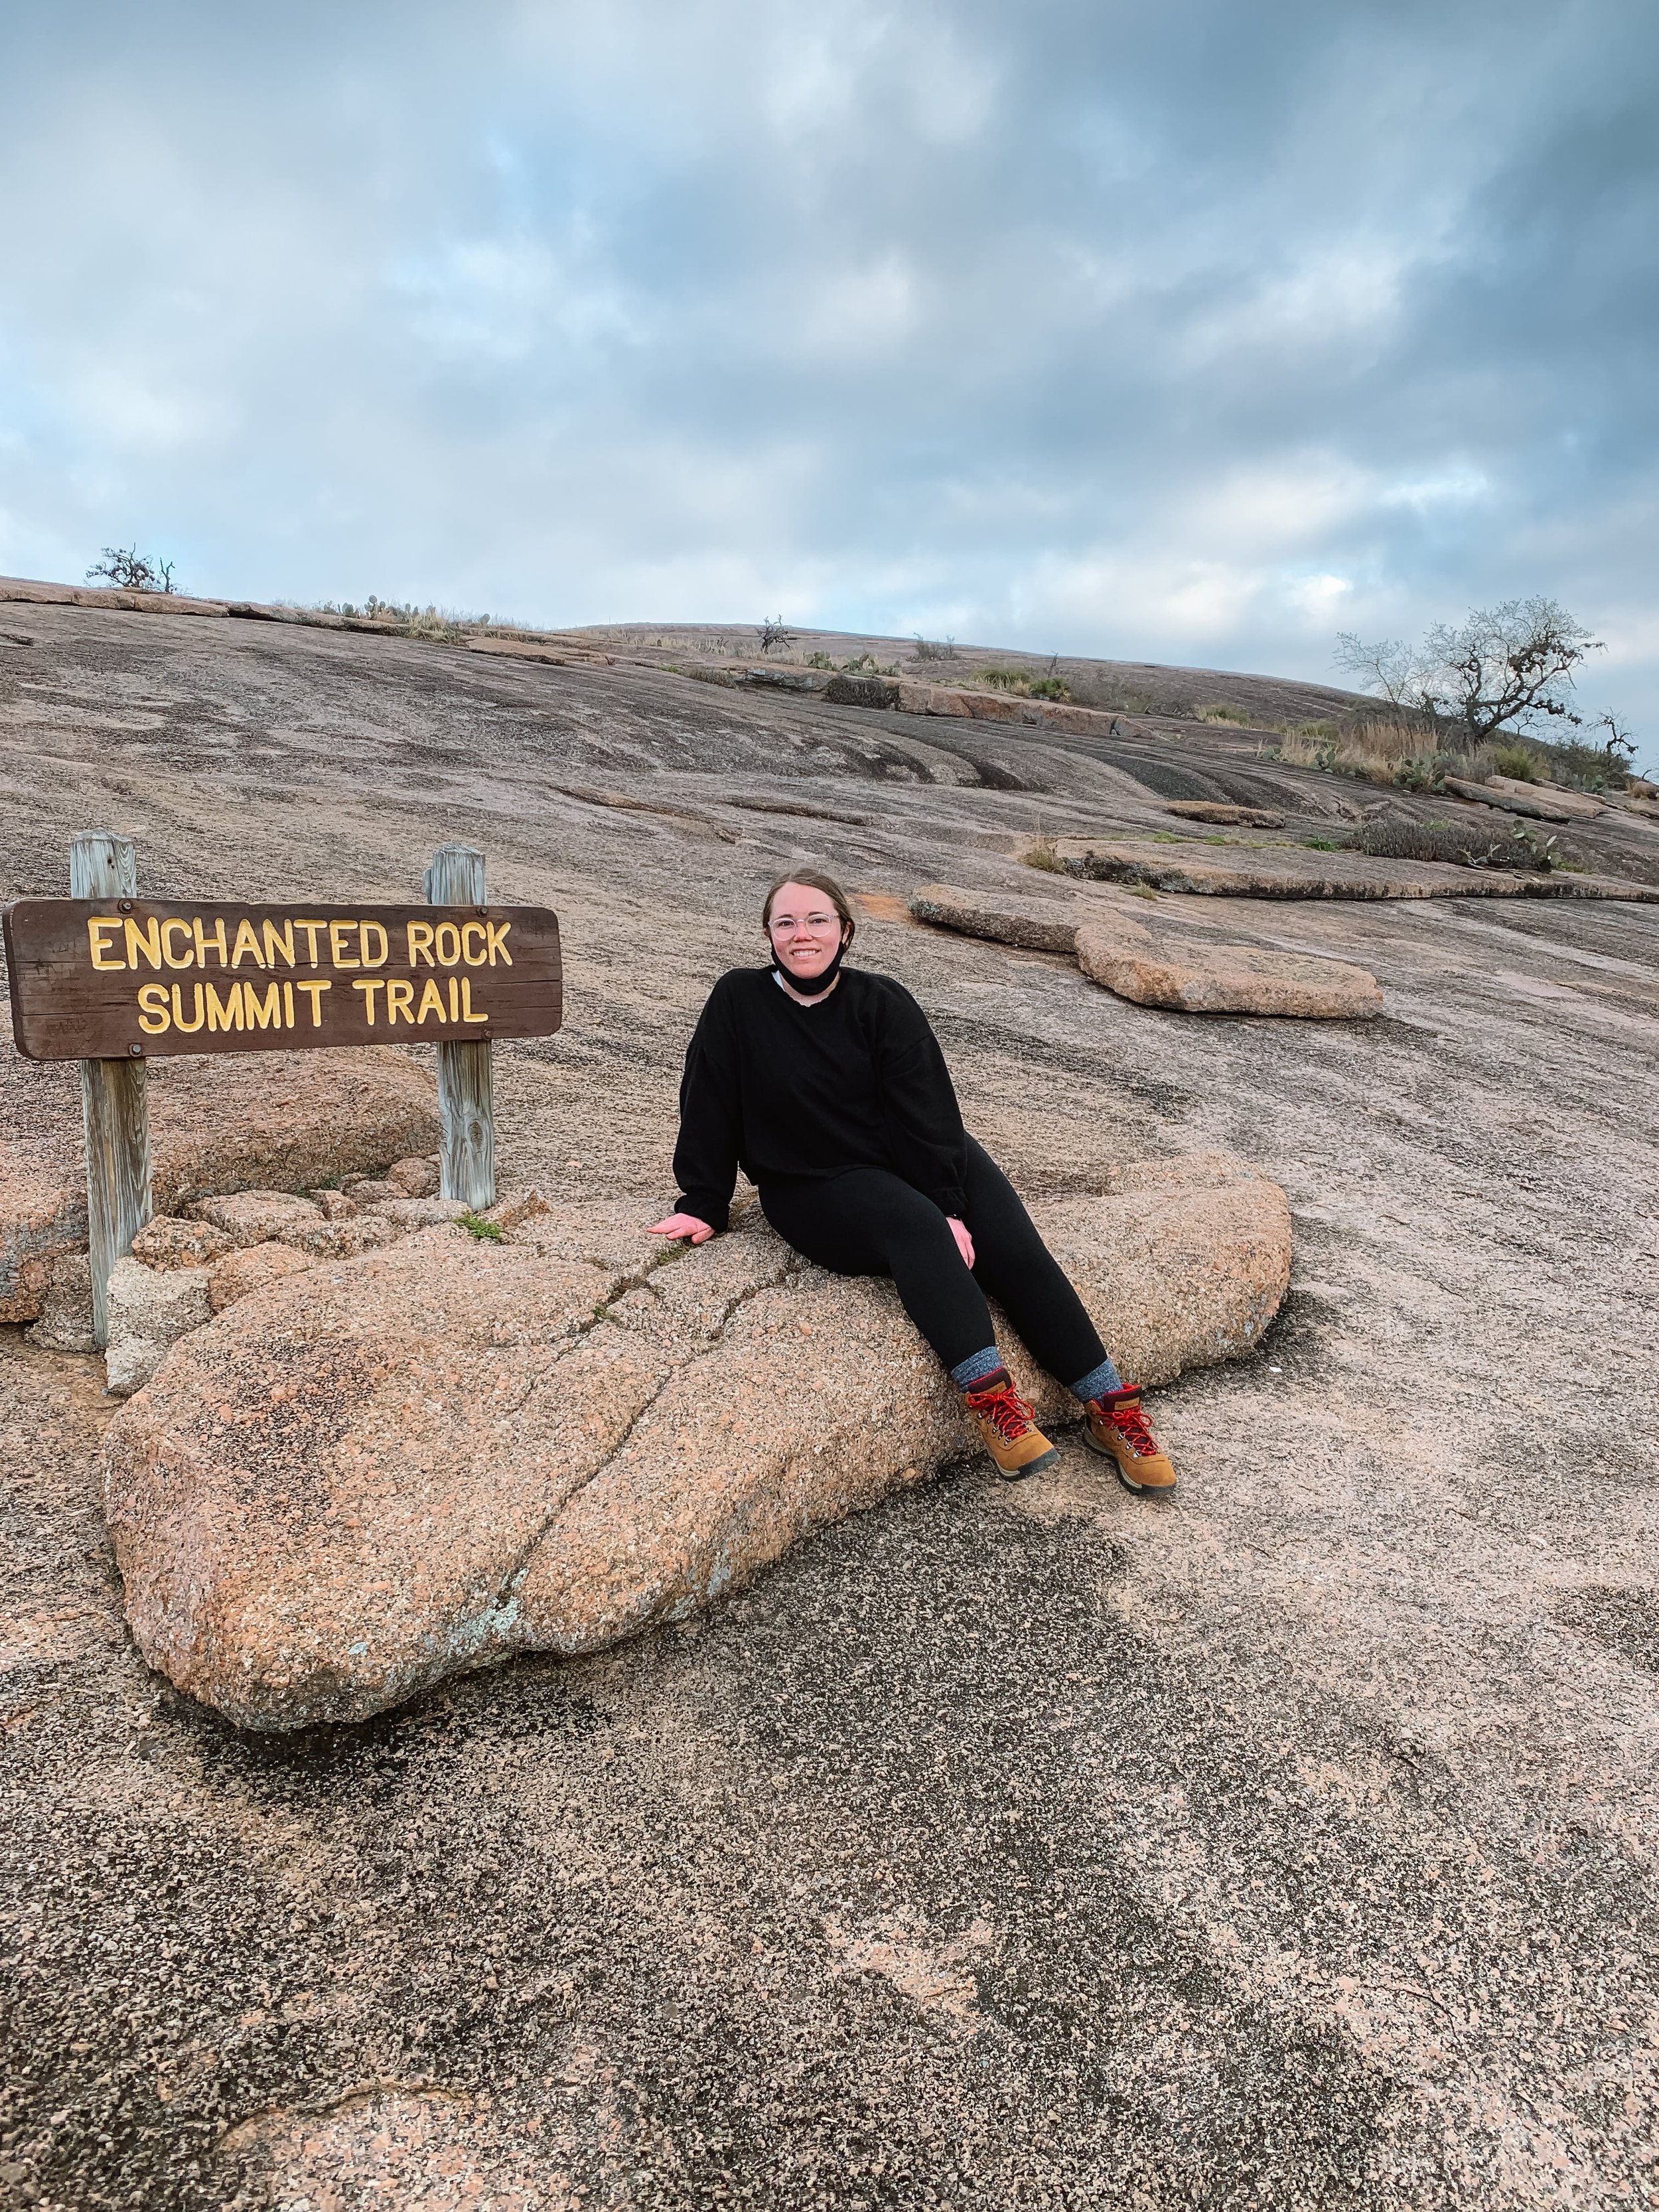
[1377, 752]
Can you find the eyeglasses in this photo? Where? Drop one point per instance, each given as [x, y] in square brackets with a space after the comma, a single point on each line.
[783, 924]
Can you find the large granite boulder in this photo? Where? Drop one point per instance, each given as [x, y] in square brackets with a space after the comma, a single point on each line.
[1285, 871]
[1164, 967]
[1035, 924]
[1226, 978]
[285, 1119]
[358, 1480]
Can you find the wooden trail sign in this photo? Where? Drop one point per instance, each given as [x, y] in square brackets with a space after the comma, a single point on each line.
[114, 1099]
[143, 979]
[115, 981]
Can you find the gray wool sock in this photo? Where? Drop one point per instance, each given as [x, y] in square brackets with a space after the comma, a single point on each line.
[975, 1369]
[1097, 1382]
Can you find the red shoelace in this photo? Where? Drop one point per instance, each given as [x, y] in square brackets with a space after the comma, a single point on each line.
[1131, 1423]
[1004, 1406]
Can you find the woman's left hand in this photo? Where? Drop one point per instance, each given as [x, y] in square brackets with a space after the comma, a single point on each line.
[964, 1242]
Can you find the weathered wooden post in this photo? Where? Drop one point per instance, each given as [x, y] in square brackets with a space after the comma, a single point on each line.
[114, 1096]
[467, 1158]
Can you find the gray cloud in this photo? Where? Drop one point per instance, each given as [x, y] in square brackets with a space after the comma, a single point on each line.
[1195, 332]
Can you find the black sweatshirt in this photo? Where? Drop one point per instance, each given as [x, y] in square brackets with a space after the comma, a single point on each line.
[784, 1090]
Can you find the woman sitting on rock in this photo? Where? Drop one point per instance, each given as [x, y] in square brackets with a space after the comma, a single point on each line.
[827, 1085]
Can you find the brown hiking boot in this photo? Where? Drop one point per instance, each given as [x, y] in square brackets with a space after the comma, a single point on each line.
[1006, 1428]
[1116, 1428]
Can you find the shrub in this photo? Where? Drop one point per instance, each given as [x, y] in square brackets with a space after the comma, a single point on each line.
[1590, 767]
[1219, 713]
[129, 570]
[1521, 762]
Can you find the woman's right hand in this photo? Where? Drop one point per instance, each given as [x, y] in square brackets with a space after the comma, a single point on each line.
[682, 1225]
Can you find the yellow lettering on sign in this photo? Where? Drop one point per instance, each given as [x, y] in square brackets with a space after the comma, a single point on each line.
[469, 931]
[185, 959]
[265, 1013]
[98, 928]
[498, 942]
[399, 1001]
[227, 1016]
[454, 1001]
[336, 935]
[287, 1005]
[375, 957]
[273, 939]
[311, 929]
[316, 991]
[446, 943]
[179, 1021]
[419, 935]
[216, 939]
[431, 1001]
[467, 1014]
[154, 1016]
[247, 942]
[138, 940]
[369, 991]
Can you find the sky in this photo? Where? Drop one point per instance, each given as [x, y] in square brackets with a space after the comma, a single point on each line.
[1191, 332]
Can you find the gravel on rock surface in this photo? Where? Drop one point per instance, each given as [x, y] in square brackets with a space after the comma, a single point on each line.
[1291, 1847]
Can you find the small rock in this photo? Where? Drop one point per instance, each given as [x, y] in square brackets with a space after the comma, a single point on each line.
[65, 1322]
[333, 1205]
[415, 1178]
[421, 1213]
[249, 1217]
[343, 1239]
[251, 1270]
[372, 1190]
[167, 1242]
[522, 1206]
[150, 1309]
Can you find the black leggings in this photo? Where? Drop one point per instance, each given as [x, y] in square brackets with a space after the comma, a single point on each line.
[868, 1221]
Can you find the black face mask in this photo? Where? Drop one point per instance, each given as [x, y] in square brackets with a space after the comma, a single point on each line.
[810, 986]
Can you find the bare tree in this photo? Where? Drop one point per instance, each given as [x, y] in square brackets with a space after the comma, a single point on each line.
[771, 632]
[1386, 669]
[129, 570]
[1508, 667]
